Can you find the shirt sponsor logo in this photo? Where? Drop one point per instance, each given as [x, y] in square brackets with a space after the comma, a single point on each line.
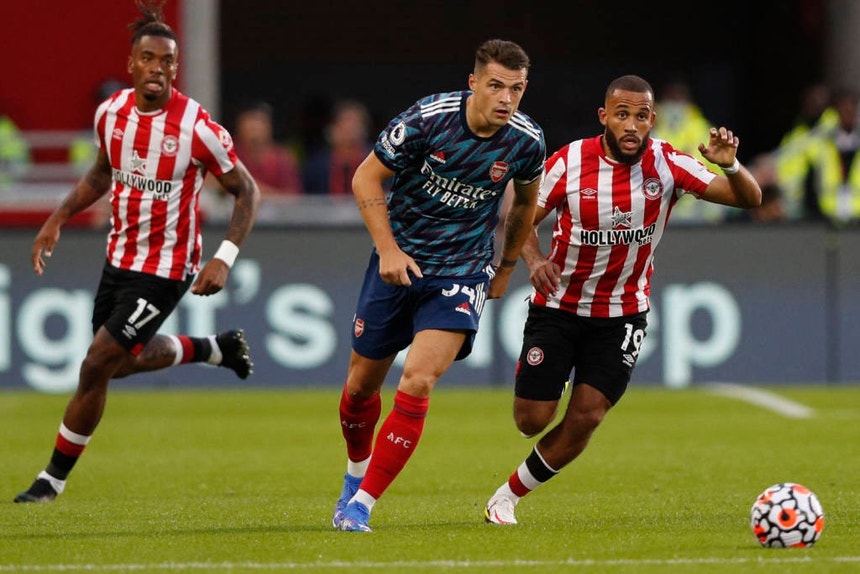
[159, 188]
[603, 237]
[453, 192]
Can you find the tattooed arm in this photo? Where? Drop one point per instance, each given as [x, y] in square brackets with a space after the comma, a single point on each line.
[394, 264]
[86, 192]
[518, 227]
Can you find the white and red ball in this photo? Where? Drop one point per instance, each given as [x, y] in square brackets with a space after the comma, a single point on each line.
[787, 515]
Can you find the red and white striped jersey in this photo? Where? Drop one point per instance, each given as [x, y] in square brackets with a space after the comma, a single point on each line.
[159, 161]
[609, 219]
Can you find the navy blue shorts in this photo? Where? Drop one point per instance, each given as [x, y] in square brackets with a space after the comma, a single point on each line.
[387, 317]
[132, 306]
[601, 352]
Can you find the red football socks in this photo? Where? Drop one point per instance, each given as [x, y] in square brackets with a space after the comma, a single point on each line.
[358, 418]
[398, 436]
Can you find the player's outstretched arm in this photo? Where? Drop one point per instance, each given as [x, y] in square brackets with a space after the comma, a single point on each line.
[93, 185]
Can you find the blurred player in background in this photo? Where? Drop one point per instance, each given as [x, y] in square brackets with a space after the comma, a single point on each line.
[155, 146]
[612, 195]
[431, 271]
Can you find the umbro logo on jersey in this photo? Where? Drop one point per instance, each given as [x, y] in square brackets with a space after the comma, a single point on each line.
[463, 308]
[117, 134]
[588, 193]
[628, 359]
[129, 332]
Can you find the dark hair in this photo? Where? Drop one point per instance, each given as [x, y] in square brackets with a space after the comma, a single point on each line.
[630, 83]
[151, 21]
[504, 52]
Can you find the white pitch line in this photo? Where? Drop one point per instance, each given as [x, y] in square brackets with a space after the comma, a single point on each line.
[764, 399]
[460, 564]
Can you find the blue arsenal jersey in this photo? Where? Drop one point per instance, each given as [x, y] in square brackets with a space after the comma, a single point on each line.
[445, 198]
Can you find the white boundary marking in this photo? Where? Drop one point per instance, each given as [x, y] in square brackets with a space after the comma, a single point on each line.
[463, 564]
[764, 399]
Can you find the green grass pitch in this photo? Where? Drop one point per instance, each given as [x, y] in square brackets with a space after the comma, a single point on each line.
[246, 480]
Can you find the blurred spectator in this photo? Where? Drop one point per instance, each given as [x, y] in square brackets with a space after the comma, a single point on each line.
[329, 169]
[833, 157]
[274, 166]
[815, 110]
[84, 148]
[816, 117]
[681, 122]
[772, 209]
[14, 152]
[310, 123]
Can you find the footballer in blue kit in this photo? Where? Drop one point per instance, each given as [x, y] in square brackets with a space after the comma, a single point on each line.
[443, 209]
[451, 156]
[449, 182]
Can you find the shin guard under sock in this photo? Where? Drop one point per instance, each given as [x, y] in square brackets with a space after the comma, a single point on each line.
[398, 436]
[358, 418]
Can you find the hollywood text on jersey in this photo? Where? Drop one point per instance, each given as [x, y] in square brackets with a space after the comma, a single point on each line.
[160, 188]
[454, 193]
[600, 237]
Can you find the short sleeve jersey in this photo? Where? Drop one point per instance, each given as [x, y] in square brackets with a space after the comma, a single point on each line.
[159, 161]
[610, 218]
[444, 201]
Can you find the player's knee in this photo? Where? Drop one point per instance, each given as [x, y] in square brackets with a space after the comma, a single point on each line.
[417, 383]
[585, 421]
[124, 369]
[532, 421]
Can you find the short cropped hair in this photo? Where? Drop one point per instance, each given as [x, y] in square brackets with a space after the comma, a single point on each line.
[507, 53]
[630, 83]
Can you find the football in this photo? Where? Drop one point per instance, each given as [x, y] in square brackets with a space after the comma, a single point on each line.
[787, 515]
